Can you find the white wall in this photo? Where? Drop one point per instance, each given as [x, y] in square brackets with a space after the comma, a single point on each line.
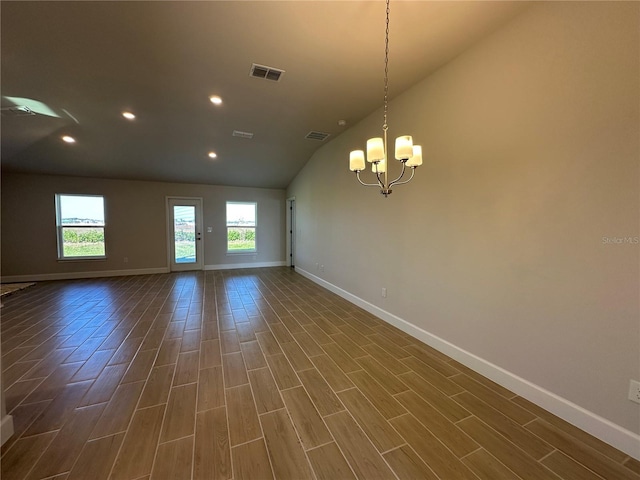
[136, 225]
[531, 158]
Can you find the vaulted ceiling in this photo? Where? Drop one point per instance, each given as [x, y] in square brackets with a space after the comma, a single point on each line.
[77, 66]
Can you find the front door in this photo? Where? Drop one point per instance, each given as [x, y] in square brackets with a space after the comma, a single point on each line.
[185, 233]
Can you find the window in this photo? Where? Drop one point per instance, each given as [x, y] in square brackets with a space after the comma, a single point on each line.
[241, 227]
[80, 222]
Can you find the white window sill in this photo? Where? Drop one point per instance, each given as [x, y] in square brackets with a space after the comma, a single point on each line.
[83, 259]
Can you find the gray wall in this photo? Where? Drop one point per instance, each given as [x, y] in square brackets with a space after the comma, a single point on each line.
[136, 223]
[531, 157]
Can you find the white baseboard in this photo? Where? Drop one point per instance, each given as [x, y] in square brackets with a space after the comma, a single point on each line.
[6, 428]
[605, 430]
[229, 266]
[42, 277]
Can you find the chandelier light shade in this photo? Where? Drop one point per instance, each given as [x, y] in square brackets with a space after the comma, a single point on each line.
[409, 155]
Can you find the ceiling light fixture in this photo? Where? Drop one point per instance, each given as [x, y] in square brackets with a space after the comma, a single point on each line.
[128, 115]
[212, 155]
[406, 152]
[68, 139]
[216, 100]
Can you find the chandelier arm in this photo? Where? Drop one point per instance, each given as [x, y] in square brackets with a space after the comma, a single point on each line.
[413, 172]
[381, 184]
[395, 182]
[366, 184]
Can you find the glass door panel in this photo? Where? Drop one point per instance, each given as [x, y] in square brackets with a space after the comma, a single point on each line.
[184, 233]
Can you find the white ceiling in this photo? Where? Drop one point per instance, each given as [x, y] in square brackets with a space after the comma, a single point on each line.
[162, 60]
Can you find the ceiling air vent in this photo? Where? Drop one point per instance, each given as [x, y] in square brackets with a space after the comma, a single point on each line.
[320, 136]
[238, 133]
[268, 73]
[16, 111]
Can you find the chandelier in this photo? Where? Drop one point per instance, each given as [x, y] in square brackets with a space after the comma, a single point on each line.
[406, 152]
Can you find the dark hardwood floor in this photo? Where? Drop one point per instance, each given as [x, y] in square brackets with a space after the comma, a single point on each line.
[257, 374]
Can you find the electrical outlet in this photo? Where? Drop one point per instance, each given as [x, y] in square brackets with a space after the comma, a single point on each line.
[634, 391]
[384, 292]
[126, 259]
[322, 268]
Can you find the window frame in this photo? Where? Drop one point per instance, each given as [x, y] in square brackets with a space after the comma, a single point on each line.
[237, 251]
[60, 228]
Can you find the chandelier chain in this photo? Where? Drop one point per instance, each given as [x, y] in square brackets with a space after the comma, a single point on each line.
[386, 71]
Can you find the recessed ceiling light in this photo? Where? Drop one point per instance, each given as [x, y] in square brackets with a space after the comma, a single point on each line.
[215, 99]
[212, 155]
[128, 115]
[69, 139]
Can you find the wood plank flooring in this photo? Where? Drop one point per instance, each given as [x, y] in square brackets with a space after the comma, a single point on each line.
[257, 374]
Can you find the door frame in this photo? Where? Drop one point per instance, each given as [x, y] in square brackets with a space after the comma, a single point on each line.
[291, 231]
[199, 264]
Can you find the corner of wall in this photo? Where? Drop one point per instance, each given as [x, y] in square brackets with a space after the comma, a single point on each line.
[6, 421]
[6, 427]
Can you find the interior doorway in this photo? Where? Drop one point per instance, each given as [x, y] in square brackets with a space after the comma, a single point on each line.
[184, 234]
[291, 229]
